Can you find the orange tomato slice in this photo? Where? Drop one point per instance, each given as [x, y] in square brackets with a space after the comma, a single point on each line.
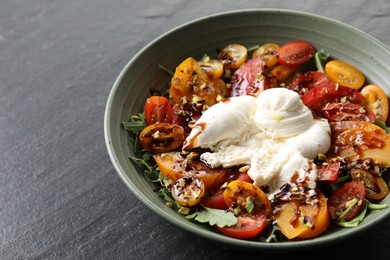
[344, 74]
[377, 101]
[297, 219]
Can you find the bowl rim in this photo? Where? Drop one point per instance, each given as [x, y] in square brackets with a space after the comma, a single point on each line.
[242, 244]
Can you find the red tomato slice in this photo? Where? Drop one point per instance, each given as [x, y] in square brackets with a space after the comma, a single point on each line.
[215, 201]
[246, 227]
[296, 53]
[328, 173]
[317, 97]
[248, 79]
[158, 110]
[340, 111]
[309, 80]
[338, 201]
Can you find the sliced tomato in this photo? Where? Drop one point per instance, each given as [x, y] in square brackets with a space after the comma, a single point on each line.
[296, 53]
[343, 73]
[161, 137]
[247, 227]
[307, 81]
[328, 172]
[268, 52]
[360, 140]
[295, 218]
[215, 201]
[377, 101]
[342, 111]
[188, 191]
[247, 198]
[376, 187]
[342, 198]
[233, 56]
[158, 110]
[316, 98]
[248, 79]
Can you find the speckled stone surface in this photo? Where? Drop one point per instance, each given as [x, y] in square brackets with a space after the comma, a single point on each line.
[60, 197]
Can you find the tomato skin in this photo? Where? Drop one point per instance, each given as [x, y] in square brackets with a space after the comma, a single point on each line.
[158, 110]
[328, 173]
[215, 201]
[345, 193]
[248, 79]
[317, 97]
[296, 53]
[247, 227]
[343, 73]
[308, 81]
[161, 137]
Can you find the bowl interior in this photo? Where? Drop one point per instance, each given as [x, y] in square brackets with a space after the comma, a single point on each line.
[205, 36]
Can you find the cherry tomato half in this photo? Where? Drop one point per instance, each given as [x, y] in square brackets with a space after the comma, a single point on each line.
[246, 227]
[213, 68]
[248, 79]
[339, 201]
[233, 56]
[188, 191]
[377, 101]
[296, 53]
[344, 74]
[158, 110]
[376, 187]
[247, 197]
[268, 52]
[161, 137]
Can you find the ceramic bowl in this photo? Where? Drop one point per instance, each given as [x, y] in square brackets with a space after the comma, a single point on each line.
[206, 35]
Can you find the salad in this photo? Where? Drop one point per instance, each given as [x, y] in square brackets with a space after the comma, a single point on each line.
[267, 143]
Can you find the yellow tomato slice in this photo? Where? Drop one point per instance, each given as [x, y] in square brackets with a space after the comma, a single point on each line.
[268, 53]
[248, 197]
[344, 74]
[377, 101]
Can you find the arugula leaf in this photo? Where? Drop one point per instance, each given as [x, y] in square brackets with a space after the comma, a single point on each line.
[382, 125]
[218, 217]
[249, 204]
[136, 123]
[320, 58]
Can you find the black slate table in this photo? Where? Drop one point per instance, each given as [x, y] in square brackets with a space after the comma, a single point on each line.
[60, 197]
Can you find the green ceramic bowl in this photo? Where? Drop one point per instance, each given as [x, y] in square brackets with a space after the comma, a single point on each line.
[206, 35]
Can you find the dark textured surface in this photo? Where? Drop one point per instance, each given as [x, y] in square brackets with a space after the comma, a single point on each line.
[60, 197]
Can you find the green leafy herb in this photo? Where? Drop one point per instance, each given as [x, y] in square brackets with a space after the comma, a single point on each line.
[168, 71]
[382, 125]
[136, 123]
[218, 217]
[320, 58]
[355, 221]
[249, 204]
[252, 48]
